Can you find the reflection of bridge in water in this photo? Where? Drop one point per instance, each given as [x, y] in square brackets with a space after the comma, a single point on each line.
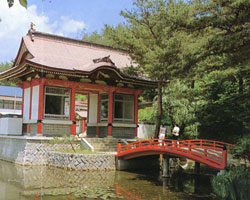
[120, 191]
[211, 153]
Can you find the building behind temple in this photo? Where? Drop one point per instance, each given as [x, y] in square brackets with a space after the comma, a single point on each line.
[10, 100]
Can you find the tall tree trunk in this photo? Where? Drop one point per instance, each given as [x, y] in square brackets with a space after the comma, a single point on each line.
[192, 84]
[182, 128]
[159, 111]
[241, 86]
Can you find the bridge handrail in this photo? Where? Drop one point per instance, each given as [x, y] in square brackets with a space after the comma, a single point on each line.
[223, 144]
[200, 142]
[213, 153]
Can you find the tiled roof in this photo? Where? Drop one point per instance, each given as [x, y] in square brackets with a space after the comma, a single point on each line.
[49, 53]
[82, 114]
[70, 54]
[11, 91]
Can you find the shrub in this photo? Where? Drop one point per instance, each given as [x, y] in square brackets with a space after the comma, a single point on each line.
[243, 149]
[233, 184]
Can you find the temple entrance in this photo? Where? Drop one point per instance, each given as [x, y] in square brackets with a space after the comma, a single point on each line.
[81, 113]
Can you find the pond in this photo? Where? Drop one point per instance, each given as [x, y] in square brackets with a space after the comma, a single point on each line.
[44, 183]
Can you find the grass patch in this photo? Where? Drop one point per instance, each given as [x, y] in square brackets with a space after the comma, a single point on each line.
[77, 151]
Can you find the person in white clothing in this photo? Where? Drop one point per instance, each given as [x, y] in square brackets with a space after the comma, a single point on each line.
[162, 133]
[175, 131]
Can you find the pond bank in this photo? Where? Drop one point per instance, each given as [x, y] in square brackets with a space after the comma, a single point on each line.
[25, 150]
[50, 183]
[83, 162]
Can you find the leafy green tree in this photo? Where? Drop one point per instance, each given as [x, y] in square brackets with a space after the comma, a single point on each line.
[202, 43]
[146, 115]
[217, 53]
[103, 37]
[222, 112]
[153, 40]
[243, 149]
[4, 67]
[22, 2]
[221, 39]
[180, 106]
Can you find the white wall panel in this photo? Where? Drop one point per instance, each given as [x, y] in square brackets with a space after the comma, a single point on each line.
[93, 102]
[35, 102]
[26, 104]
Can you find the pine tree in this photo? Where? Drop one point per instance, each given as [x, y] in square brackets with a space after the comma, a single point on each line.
[154, 41]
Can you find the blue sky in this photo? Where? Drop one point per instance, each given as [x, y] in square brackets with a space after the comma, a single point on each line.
[70, 18]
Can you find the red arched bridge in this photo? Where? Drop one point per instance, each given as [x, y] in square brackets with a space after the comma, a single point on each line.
[211, 153]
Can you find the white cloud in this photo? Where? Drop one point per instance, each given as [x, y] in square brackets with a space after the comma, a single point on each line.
[15, 23]
[70, 25]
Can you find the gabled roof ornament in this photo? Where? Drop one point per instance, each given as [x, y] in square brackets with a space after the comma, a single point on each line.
[104, 59]
[31, 31]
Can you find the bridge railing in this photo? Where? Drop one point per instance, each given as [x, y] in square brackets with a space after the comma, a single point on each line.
[212, 143]
[210, 152]
[216, 145]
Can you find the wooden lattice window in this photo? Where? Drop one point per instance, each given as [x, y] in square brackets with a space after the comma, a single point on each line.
[57, 102]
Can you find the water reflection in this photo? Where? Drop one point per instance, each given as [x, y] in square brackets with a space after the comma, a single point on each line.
[42, 183]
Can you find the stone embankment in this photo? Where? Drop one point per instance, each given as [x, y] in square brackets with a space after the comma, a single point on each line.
[81, 161]
[31, 151]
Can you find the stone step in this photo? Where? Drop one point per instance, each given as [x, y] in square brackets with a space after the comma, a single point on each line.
[103, 144]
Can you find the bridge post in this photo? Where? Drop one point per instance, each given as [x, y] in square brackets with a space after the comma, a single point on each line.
[165, 170]
[197, 167]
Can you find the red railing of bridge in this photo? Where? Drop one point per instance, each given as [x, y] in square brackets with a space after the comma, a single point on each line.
[211, 153]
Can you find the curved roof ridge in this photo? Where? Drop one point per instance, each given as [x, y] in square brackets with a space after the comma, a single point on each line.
[63, 38]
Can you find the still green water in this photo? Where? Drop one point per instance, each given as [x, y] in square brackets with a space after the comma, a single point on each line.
[44, 183]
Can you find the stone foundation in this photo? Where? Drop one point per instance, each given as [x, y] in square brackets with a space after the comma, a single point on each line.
[84, 162]
[31, 151]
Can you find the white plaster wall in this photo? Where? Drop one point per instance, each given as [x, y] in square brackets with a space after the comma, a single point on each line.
[3, 127]
[35, 102]
[26, 104]
[93, 101]
[145, 131]
[10, 126]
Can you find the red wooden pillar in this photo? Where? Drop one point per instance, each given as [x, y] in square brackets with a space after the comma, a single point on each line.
[23, 99]
[31, 91]
[88, 114]
[136, 113]
[72, 112]
[84, 125]
[110, 117]
[41, 106]
[98, 113]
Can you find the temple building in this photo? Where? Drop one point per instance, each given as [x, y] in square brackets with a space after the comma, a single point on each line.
[53, 69]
